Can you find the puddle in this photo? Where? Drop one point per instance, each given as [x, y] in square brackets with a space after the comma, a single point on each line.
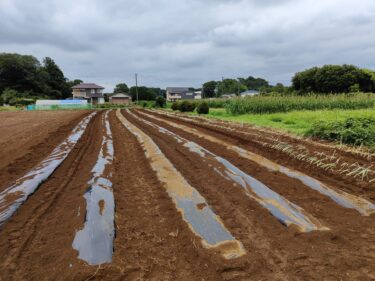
[286, 212]
[192, 206]
[342, 198]
[95, 241]
[14, 196]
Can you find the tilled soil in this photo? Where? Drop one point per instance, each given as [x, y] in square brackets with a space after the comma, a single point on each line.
[252, 138]
[27, 137]
[153, 242]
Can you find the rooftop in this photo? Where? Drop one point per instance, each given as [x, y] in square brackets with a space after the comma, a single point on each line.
[87, 86]
[120, 95]
[177, 89]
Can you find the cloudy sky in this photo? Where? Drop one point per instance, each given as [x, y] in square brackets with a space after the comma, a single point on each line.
[188, 42]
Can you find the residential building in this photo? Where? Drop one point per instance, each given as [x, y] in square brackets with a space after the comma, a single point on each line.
[228, 96]
[179, 93]
[249, 93]
[120, 98]
[198, 95]
[89, 91]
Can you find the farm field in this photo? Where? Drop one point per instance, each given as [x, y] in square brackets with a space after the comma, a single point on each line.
[26, 137]
[154, 195]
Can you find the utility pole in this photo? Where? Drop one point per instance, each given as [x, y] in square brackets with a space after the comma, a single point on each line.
[238, 87]
[136, 86]
[222, 85]
[202, 94]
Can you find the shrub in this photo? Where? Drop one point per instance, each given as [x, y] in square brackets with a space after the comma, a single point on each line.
[160, 102]
[203, 108]
[175, 106]
[356, 131]
[187, 106]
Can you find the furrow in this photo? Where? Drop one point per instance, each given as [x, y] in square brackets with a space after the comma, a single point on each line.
[285, 211]
[363, 206]
[15, 195]
[94, 241]
[192, 206]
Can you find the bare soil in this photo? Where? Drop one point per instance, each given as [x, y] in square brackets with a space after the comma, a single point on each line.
[27, 137]
[152, 240]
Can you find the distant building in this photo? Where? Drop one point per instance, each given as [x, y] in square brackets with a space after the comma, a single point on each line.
[120, 98]
[228, 96]
[88, 91]
[59, 104]
[179, 93]
[198, 95]
[249, 93]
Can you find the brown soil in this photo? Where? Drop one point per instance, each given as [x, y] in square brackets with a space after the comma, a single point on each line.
[330, 251]
[27, 137]
[250, 138]
[153, 242]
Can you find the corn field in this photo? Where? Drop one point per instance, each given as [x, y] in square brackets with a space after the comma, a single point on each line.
[274, 104]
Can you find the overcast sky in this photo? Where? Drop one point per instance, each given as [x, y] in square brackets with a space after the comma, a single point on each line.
[188, 42]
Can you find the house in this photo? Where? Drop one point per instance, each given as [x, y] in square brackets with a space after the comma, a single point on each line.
[88, 91]
[228, 96]
[120, 98]
[198, 95]
[179, 93]
[249, 93]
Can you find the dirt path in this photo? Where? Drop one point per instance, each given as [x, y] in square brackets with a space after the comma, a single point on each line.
[332, 251]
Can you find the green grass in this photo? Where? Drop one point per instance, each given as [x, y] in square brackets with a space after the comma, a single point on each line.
[8, 108]
[297, 122]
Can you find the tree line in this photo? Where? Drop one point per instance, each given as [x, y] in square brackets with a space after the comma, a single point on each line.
[334, 79]
[326, 80]
[144, 93]
[24, 77]
[236, 86]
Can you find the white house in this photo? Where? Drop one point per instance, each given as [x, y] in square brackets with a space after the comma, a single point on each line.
[249, 93]
[89, 91]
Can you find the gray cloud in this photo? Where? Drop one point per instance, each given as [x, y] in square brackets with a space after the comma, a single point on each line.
[184, 42]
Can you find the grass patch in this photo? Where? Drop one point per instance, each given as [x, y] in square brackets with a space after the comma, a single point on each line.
[297, 122]
[9, 108]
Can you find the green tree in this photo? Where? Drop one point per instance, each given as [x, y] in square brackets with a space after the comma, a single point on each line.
[231, 86]
[209, 89]
[74, 82]
[55, 80]
[160, 101]
[121, 88]
[253, 83]
[354, 88]
[10, 96]
[144, 93]
[332, 79]
[27, 76]
[20, 72]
